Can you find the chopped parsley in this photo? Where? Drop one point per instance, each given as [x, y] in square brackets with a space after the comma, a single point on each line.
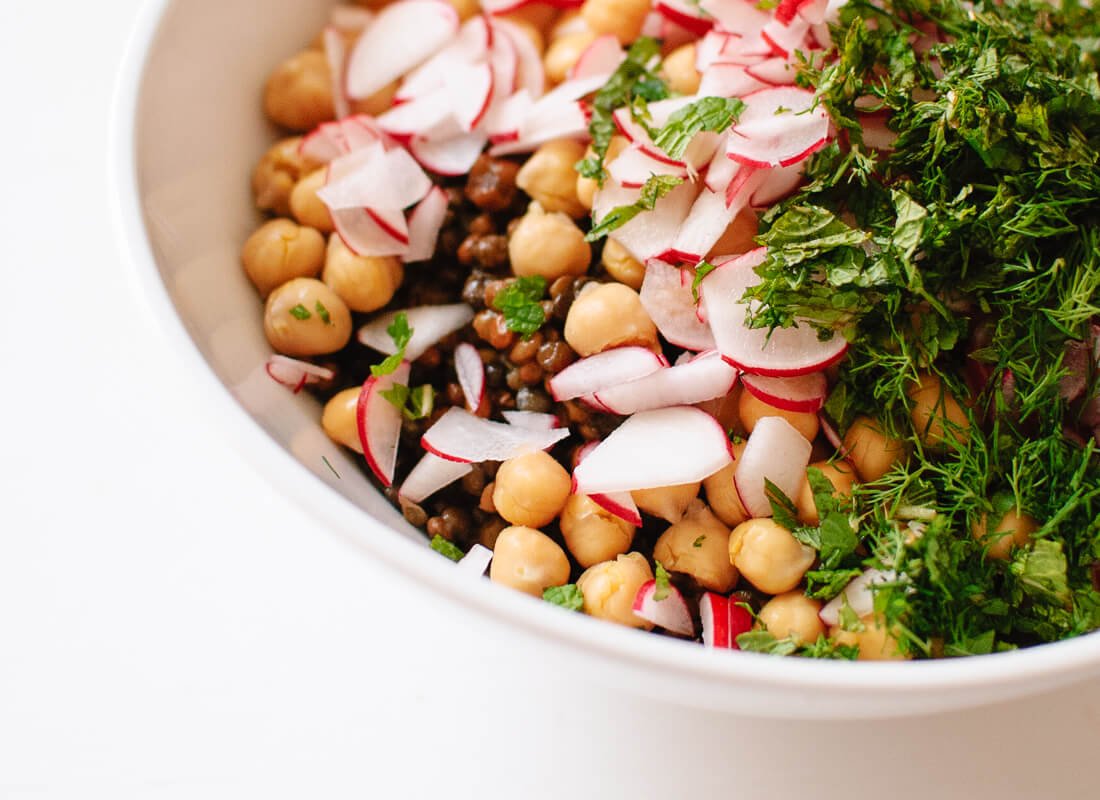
[401, 334]
[705, 114]
[300, 312]
[322, 312]
[663, 585]
[413, 403]
[702, 269]
[568, 596]
[699, 541]
[656, 187]
[521, 304]
[446, 548]
[763, 642]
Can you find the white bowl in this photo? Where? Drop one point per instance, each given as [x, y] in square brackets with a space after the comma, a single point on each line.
[188, 129]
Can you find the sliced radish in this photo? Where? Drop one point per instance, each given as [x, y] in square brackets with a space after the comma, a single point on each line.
[530, 75]
[670, 612]
[476, 560]
[741, 621]
[831, 434]
[632, 168]
[431, 474]
[728, 80]
[665, 447]
[460, 436]
[295, 374]
[470, 370]
[374, 177]
[698, 153]
[618, 365]
[402, 36]
[535, 420]
[736, 16]
[803, 394]
[670, 304]
[429, 324]
[336, 53]
[778, 126]
[470, 46]
[785, 40]
[712, 213]
[505, 117]
[621, 504]
[773, 71]
[714, 614]
[651, 234]
[392, 221]
[379, 422]
[470, 89]
[721, 170]
[685, 14]
[425, 222]
[702, 378]
[544, 123]
[330, 140]
[777, 452]
[777, 184]
[362, 234]
[858, 594]
[602, 57]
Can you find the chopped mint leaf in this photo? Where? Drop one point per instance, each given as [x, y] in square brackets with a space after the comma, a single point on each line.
[784, 511]
[663, 585]
[699, 541]
[702, 269]
[656, 187]
[300, 312]
[706, 114]
[568, 596]
[322, 312]
[401, 333]
[521, 303]
[446, 548]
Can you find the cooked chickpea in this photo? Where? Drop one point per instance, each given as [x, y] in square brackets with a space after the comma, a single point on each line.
[528, 560]
[1013, 530]
[275, 174]
[378, 102]
[550, 245]
[609, 589]
[722, 496]
[621, 18]
[739, 236]
[622, 266]
[365, 283]
[839, 473]
[338, 420]
[531, 489]
[592, 533]
[679, 70]
[667, 502]
[875, 642]
[307, 207]
[298, 95]
[563, 53]
[792, 614]
[939, 419]
[608, 315]
[586, 187]
[280, 250]
[752, 410]
[466, 8]
[294, 319]
[698, 546]
[870, 450]
[533, 34]
[768, 556]
[549, 178]
[538, 15]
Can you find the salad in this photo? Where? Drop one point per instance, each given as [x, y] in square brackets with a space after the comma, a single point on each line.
[772, 325]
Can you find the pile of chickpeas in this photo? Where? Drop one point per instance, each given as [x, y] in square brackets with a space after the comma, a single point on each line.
[521, 218]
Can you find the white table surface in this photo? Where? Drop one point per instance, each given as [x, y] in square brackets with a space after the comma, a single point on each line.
[170, 628]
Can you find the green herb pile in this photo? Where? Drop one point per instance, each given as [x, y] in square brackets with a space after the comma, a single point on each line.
[970, 249]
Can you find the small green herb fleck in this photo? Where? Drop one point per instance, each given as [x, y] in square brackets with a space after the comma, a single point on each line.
[322, 312]
[702, 269]
[300, 312]
[568, 596]
[401, 334]
[664, 586]
[332, 468]
[521, 303]
[699, 541]
[656, 187]
[706, 114]
[414, 404]
[446, 548]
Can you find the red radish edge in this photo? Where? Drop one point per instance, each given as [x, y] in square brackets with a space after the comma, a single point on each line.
[470, 371]
[670, 612]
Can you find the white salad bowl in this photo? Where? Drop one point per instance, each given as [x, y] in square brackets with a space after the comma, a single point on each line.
[188, 128]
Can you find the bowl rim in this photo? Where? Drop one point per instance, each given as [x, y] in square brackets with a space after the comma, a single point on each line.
[617, 647]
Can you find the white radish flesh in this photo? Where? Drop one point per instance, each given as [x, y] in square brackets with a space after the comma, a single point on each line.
[778, 127]
[702, 378]
[714, 614]
[602, 57]
[362, 234]
[477, 560]
[295, 374]
[777, 452]
[670, 612]
[668, 300]
[425, 222]
[611, 367]
[685, 14]
[431, 474]
[652, 234]
[802, 394]
[379, 422]
[858, 595]
[460, 436]
[429, 324]
[621, 504]
[374, 177]
[470, 370]
[534, 420]
[632, 168]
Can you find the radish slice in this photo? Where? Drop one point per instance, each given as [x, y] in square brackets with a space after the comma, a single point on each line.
[714, 614]
[736, 16]
[426, 115]
[602, 57]
[505, 117]
[741, 621]
[544, 123]
[430, 475]
[858, 594]
[460, 436]
[621, 504]
[697, 154]
[650, 234]
[425, 222]
[530, 75]
[362, 234]
[295, 374]
[611, 367]
[402, 36]
[728, 80]
[702, 378]
[469, 47]
[632, 168]
[777, 184]
[470, 370]
[783, 352]
[429, 324]
[651, 449]
[670, 304]
[336, 53]
[712, 213]
[876, 133]
[773, 71]
[670, 612]
[779, 126]
[830, 432]
[803, 394]
[379, 423]
[685, 14]
[477, 560]
[392, 221]
[532, 420]
[721, 170]
[787, 39]
[470, 89]
[776, 451]
[374, 177]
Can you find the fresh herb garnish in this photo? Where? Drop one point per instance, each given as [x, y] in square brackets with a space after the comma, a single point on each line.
[401, 334]
[705, 114]
[568, 596]
[521, 303]
[702, 269]
[300, 312]
[322, 312]
[446, 548]
[331, 468]
[764, 642]
[699, 541]
[656, 187]
[662, 584]
[413, 403]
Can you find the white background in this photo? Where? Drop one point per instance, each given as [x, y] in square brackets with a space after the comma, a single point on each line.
[171, 628]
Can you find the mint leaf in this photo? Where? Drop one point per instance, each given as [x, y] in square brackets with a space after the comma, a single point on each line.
[521, 304]
[663, 585]
[705, 114]
[446, 548]
[656, 187]
[568, 596]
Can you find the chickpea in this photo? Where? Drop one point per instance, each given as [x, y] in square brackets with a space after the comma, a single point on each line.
[307, 207]
[768, 556]
[275, 174]
[724, 409]
[466, 8]
[298, 95]
[568, 21]
[609, 315]
[592, 533]
[364, 283]
[875, 642]
[294, 319]
[533, 34]
[840, 474]
[586, 187]
[622, 266]
[752, 410]
[338, 420]
[528, 560]
[538, 15]
[792, 614]
[699, 546]
[549, 178]
[667, 502]
[550, 245]
[939, 419]
[563, 53]
[610, 586]
[531, 489]
[378, 102]
[622, 18]
[1013, 530]
[722, 494]
[280, 250]
[679, 70]
[870, 450]
[739, 236]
